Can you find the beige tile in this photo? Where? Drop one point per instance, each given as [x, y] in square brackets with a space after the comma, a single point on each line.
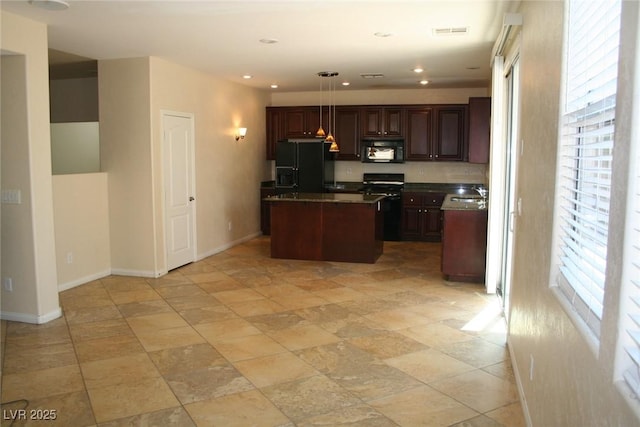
[256, 307]
[207, 383]
[225, 329]
[71, 409]
[103, 329]
[118, 370]
[435, 334]
[144, 308]
[124, 297]
[248, 347]
[22, 359]
[207, 314]
[294, 302]
[360, 415]
[477, 352]
[277, 321]
[509, 415]
[274, 369]
[238, 295]
[191, 302]
[155, 322]
[108, 347]
[180, 291]
[478, 390]
[387, 344]
[185, 359]
[397, 319]
[339, 294]
[410, 408]
[429, 365]
[227, 284]
[237, 410]
[42, 383]
[308, 397]
[205, 277]
[128, 399]
[92, 314]
[303, 336]
[153, 340]
[172, 417]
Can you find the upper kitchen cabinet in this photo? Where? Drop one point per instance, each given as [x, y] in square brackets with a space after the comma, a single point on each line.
[347, 133]
[450, 132]
[479, 129]
[381, 121]
[436, 132]
[303, 122]
[419, 133]
[274, 130]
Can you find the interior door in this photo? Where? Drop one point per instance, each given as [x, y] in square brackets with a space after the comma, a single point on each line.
[178, 189]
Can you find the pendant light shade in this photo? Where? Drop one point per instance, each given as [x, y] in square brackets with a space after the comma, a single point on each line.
[334, 148]
[320, 132]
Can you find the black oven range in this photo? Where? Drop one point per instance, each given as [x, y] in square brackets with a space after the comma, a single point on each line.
[390, 185]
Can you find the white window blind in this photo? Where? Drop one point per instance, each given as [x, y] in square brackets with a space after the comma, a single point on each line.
[631, 283]
[593, 37]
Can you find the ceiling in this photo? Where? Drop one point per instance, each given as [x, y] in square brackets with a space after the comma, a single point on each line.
[227, 38]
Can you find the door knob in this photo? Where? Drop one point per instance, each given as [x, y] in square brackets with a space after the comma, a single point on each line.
[191, 199]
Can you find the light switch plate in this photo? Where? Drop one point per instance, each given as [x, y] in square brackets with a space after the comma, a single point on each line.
[11, 197]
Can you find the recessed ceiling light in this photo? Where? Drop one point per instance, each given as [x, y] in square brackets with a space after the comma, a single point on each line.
[473, 68]
[424, 82]
[418, 70]
[345, 83]
[274, 86]
[269, 41]
[247, 76]
[50, 4]
[383, 34]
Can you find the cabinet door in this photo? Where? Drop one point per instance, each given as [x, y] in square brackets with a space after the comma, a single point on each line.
[347, 133]
[450, 133]
[479, 129]
[432, 224]
[392, 125]
[411, 222]
[294, 123]
[418, 134]
[371, 121]
[274, 130]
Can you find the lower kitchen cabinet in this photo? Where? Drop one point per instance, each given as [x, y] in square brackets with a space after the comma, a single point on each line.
[421, 216]
[464, 245]
[265, 210]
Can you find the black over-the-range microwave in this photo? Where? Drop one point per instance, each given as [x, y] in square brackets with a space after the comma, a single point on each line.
[382, 150]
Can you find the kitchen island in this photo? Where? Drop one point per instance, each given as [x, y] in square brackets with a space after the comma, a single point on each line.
[464, 237]
[327, 227]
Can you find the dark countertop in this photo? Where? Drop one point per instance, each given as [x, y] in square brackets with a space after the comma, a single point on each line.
[461, 202]
[326, 198]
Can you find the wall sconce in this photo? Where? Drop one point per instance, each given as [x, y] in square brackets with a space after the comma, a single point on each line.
[241, 133]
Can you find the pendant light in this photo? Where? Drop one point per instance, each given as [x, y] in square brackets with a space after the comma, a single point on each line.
[320, 132]
[332, 110]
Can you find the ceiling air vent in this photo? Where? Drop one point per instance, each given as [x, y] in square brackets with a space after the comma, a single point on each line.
[372, 75]
[450, 31]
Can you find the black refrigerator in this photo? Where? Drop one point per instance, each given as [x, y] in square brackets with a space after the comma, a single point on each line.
[303, 166]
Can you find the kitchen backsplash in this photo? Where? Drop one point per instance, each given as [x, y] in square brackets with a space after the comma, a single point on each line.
[436, 172]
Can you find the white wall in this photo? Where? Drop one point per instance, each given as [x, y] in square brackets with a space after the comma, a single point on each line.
[81, 213]
[228, 172]
[571, 385]
[28, 246]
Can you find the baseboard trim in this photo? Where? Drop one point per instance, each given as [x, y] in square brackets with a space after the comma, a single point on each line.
[516, 372]
[83, 280]
[31, 318]
[226, 246]
[134, 273]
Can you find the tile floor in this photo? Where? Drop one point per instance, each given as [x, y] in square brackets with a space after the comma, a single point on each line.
[241, 339]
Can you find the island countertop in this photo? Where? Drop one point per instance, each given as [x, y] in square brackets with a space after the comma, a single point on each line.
[326, 198]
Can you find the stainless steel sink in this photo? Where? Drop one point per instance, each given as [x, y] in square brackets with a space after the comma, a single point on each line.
[467, 199]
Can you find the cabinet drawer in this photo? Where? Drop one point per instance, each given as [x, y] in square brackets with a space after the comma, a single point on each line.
[412, 199]
[433, 199]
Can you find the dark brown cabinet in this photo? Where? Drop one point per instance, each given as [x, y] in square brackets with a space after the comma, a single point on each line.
[381, 121]
[303, 122]
[479, 129]
[436, 133]
[450, 133]
[275, 131]
[464, 245]
[347, 133]
[265, 209]
[421, 216]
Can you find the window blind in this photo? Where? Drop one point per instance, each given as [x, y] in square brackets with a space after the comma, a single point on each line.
[631, 281]
[585, 154]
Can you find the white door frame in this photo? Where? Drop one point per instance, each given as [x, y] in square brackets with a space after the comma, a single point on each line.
[192, 183]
